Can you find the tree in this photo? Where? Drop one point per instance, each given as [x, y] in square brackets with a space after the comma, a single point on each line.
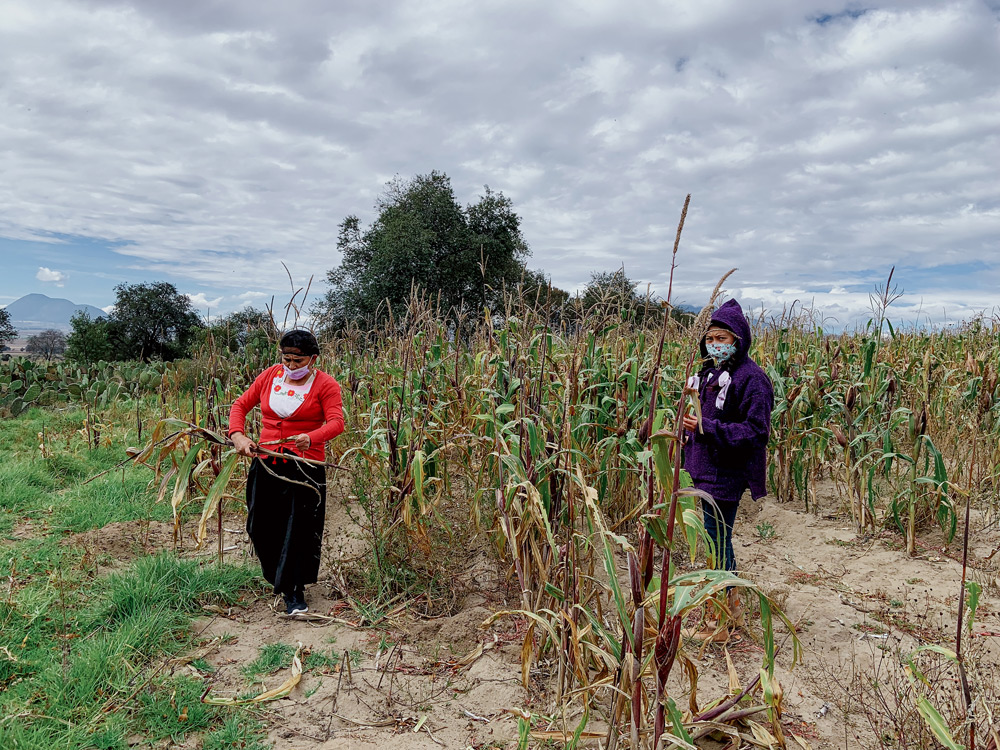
[534, 287]
[7, 331]
[153, 321]
[91, 340]
[614, 294]
[47, 344]
[423, 238]
[535, 290]
[244, 328]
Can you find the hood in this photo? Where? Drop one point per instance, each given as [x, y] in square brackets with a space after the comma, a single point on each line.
[730, 315]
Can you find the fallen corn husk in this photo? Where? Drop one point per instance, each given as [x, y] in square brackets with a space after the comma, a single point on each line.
[270, 695]
[199, 653]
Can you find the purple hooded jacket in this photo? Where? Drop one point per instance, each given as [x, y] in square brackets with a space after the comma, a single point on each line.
[731, 455]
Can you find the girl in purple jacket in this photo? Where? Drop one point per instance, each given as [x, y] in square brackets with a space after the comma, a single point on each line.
[729, 455]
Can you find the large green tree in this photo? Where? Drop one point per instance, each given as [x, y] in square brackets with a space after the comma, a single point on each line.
[422, 238]
[7, 331]
[91, 339]
[154, 321]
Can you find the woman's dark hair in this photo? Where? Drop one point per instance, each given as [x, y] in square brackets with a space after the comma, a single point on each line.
[304, 341]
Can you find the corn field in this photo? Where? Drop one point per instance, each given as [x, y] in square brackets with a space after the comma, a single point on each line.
[557, 444]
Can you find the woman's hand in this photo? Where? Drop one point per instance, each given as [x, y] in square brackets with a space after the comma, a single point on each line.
[244, 445]
[690, 422]
[302, 442]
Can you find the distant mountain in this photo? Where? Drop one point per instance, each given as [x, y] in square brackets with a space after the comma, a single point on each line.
[36, 312]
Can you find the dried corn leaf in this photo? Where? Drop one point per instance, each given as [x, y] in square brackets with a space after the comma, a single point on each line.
[215, 494]
[269, 695]
[734, 678]
[548, 735]
[180, 492]
[761, 736]
[199, 653]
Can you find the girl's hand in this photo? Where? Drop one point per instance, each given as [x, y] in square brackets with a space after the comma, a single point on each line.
[690, 422]
[302, 442]
[244, 445]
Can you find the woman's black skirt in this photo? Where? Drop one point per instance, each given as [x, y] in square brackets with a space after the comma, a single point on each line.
[286, 507]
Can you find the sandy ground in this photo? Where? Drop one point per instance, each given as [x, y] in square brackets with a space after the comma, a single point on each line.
[444, 681]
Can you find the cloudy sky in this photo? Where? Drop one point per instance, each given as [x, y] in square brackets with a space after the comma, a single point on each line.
[205, 143]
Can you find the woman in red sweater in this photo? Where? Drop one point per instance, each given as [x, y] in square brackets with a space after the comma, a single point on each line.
[286, 499]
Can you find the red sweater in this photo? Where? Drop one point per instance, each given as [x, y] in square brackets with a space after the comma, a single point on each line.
[320, 416]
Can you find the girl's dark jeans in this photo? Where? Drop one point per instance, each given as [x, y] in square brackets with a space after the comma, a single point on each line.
[719, 520]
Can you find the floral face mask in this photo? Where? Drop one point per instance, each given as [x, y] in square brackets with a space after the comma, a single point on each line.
[720, 352]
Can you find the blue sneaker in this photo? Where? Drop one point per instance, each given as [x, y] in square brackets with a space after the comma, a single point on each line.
[295, 603]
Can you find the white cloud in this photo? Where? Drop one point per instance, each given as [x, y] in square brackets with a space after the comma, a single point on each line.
[214, 146]
[50, 276]
[201, 302]
[252, 296]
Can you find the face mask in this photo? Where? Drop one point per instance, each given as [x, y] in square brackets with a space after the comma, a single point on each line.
[297, 374]
[720, 352]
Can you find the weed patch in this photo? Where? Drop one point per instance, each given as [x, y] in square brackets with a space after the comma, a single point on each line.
[82, 650]
[272, 657]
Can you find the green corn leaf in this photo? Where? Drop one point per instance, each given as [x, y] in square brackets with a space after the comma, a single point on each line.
[974, 590]
[607, 637]
[554, 592]
[597, 520]
[661, 442]
[936, 723]
[942, 650]
[417, 469]
[656, 525]
[767, 623]
[677, 723]
[573, 743]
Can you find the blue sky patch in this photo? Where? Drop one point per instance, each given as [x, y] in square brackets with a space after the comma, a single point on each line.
[851, 13]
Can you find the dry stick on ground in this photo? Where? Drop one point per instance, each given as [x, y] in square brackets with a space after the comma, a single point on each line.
[336, 694]
[283, 720]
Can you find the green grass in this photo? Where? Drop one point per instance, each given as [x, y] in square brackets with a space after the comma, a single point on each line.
[51, 488]
[202, 666]
[174, 710]
[238, 731]
[321, 660]
[272, 657]
[83, 649]
[83, 645]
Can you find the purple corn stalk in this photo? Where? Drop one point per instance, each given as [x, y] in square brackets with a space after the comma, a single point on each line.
[664, 654]
[638, 626]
